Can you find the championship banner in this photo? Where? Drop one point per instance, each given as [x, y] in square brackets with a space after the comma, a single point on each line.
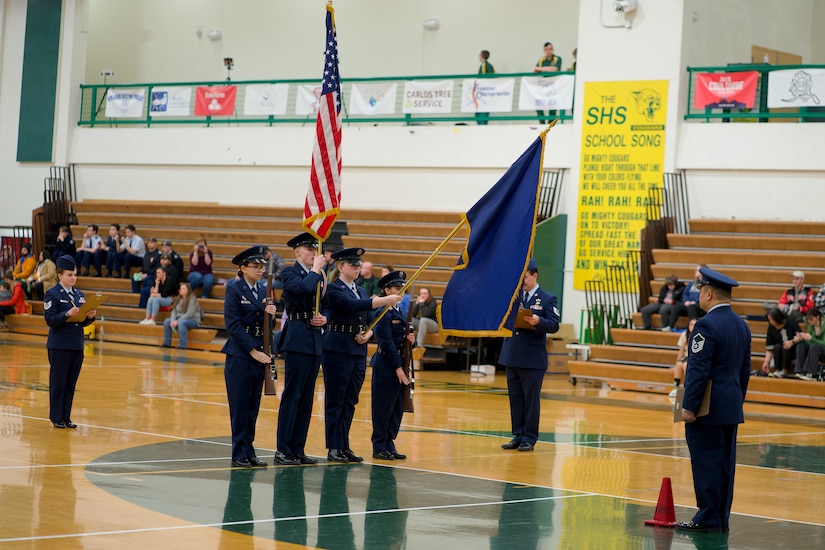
[215, 100]
[487, 95]
[543, 93]
[725, 90]
[125, 102]
[373, 99]
[265, 99]
[622, 156]
[428, 96]
[796, 88]
[170, 102]
[306, 99]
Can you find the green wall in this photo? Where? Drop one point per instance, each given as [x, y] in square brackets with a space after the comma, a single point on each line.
[548, 249]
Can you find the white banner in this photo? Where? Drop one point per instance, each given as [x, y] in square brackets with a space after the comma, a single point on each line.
[171, 102]
[428, 96]
[125, 102]
[546, 93]
[487, 95]
[306, 99]
[377, 98]
[265, 99]
[796, 88]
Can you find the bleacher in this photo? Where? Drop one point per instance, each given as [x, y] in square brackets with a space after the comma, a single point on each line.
[760, 255]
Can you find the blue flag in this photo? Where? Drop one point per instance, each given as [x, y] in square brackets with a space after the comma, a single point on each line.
[487, 278]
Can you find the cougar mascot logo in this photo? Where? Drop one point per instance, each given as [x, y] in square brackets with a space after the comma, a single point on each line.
[647, 102]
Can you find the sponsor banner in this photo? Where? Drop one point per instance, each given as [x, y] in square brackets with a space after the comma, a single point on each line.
[373, 99]
[265, 99]
[215, 100]
[428, 96]
[125, 102]
[546, 93]
[725, 90]
[796, 88]
[306, 99]
[170, 102]
[622, 156]
[487, 95]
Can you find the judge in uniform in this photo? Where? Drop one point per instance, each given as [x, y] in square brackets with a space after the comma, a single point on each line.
[525, 356]
[348, 310]
[719, 355]
[246, 363]
[65, 341]
[301, 345]
[388, 379]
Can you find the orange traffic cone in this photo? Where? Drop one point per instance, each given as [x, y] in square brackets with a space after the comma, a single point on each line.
[665, 515]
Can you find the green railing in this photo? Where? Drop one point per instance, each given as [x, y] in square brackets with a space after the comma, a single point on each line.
[93, 100]
[811, 110]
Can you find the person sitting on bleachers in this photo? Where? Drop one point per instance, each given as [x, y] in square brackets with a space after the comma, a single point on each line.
[174, 258]
[6, 258]
[86, 253]
[131, 250]
[819, 299]
[163, 292]
[171, 273]
[15, 304]
[797, 300]
[26, 264]
[44, 277]
[681, 358]
[667, 304]
[811, 346]
[367, 280]
[424, 315]
[65, 243]
[690, 300]
[151, 260]
[186, 315]
[200, 267]
[780, 345]
[108, 252]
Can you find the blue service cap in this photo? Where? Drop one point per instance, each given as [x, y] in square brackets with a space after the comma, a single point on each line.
[66, 262]
[393, 278]
[349, 255]
[532, 265]
[304, 239]
[252, 255]
[715, 279]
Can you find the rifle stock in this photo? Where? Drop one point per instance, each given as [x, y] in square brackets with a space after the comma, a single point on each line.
[272, 375]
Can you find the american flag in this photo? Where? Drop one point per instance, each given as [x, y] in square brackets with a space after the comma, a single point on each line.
[324, 194]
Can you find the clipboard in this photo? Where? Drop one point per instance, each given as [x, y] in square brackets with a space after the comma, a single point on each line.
[92, 302]
[520, 322]
[704, 407]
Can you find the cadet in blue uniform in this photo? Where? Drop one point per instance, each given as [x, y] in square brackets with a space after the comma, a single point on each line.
[246, 363]
[720, 355]
[301, 345]
[525, 356]
[348, 309]
[65, 341]
[388, 378]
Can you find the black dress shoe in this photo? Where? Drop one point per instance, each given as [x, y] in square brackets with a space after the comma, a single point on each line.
[257, 462]
[241, 463]
[691, 526]
[337, 455]
[399, 456]
[84, 273]
[525, 446]
[383, 455]
[69, 424]
[285, 460]
[511, 445]
[352, 457]
[59, 424]
[304, 459]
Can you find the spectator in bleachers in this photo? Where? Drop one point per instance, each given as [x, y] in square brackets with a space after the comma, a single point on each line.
[65, 243]
[329, 266]
[550, 63]
[15, 304]
[690, 300]
[6, 258]
[669, 300]
[367, 280]
[819, 300]
[811, 346]
[485, 67]
[26, 264]
[681, 358]
[131, 250]
[200, 267]
[796, 301]
[86, 254]
[174, 258]
[5, 290]
[108, 252]
[44, 277]
[424, 315]
[780, 345]
[171, 274]
[163, 292]
[151, 260]
[186, 315]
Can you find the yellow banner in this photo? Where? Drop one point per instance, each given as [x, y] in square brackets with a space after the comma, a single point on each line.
[622, 153]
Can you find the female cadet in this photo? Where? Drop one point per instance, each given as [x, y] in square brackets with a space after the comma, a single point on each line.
[388, 378]
[246, 363]
[345, 350]
[65, 341]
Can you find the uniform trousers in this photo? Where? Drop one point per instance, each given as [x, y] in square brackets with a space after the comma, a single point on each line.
[387, 409]
[63, 375]
[524, 387]
[343, 378]
[295, 411]
[713, 461]
[244, 384]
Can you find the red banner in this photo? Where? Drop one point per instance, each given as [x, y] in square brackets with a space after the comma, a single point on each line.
[215, 100]
[725, 90]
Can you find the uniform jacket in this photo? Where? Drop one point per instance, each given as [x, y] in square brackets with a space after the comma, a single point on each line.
[299, 294]
[17, 300]
[63, 334]
[343, 308]
[528, 348]
[719, 351]
[242, 310]
[390, 332]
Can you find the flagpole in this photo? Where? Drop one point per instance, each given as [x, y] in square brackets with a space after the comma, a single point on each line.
[318, 286]
[420, 270]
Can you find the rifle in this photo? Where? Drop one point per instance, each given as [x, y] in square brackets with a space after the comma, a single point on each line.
[272, 375]
[407, 365]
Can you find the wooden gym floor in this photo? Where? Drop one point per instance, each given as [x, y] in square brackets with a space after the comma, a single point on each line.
[149, 467]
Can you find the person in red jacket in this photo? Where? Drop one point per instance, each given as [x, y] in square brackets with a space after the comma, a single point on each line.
[17, 302]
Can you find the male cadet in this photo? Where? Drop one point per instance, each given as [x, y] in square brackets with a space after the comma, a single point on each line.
[719, 362]
[90, 244]
[525, 356]
[167, 250]
[301, 345]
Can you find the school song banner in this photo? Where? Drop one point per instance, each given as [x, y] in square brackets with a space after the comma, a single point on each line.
[796, 88]
[428, 96]
[265, 99]
[487, 95]
[542, 93]
[622, 156]
[725, 90]
[376, 98]
[125, 102]
[215, 100]
[170, 102]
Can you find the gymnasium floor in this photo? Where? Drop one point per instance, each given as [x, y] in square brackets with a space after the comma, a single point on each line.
[149, 466]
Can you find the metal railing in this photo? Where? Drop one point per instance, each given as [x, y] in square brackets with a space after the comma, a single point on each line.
[549, 193]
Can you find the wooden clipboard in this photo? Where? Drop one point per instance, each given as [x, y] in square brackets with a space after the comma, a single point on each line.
[92, 302]
[520, 322]
[704, 407]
